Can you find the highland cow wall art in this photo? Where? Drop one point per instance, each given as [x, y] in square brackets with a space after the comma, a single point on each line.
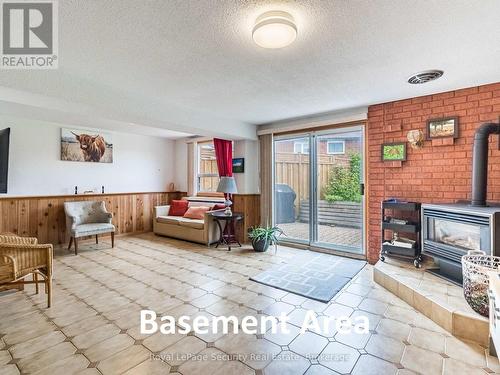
[86, 145]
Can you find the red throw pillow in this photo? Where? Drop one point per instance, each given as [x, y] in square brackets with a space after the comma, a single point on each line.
[178, 208]
[196, 212]
[219, 206]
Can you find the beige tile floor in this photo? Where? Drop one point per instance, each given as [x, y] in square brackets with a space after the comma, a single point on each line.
[93, 328]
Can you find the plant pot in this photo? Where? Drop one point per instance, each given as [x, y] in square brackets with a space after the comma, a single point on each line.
[261, 245]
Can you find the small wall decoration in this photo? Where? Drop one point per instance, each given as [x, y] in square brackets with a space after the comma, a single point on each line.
[86, 145]
[394, 151]
[442, 128]
[415, 139]
[238, 165]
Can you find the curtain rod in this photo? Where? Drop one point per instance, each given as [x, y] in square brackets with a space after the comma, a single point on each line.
[312, 122]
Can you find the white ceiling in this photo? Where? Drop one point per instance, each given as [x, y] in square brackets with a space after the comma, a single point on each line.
[191, 67]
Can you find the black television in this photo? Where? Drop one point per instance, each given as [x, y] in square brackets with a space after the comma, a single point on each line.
[4, 159]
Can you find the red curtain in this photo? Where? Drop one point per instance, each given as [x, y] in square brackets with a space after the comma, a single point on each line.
[224, 156]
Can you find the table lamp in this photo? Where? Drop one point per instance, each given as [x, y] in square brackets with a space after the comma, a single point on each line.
[227, 185]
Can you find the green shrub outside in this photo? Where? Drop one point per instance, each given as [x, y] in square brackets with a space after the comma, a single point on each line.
[344, 182]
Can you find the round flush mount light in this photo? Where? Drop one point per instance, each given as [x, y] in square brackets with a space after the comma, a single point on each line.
[274, 29]
[424, 77]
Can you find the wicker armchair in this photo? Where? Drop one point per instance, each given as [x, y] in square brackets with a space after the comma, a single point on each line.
[22, 256]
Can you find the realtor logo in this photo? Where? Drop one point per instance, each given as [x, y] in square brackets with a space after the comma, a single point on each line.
[29, 34]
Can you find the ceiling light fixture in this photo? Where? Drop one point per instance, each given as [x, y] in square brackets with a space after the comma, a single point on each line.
[424, 77]
[275, 29]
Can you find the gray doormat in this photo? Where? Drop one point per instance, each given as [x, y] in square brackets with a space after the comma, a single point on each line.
[313, 275]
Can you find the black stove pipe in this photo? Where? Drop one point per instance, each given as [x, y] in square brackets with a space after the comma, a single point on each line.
[480, 162]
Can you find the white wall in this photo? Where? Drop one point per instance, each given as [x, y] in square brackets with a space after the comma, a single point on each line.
[248, 182]
[181, 165]
[141, 163]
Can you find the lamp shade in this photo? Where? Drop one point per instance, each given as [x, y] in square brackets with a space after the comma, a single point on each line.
[227, 185]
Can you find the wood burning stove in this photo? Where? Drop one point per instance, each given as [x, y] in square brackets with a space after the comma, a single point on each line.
[450, 230]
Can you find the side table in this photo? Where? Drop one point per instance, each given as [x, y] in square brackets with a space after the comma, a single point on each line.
[227, 231]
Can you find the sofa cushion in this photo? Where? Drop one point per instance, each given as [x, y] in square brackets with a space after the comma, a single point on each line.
[198, 204]
[90, 229]
[178, 207]
[192, 223]
[169, 219]
[197, 212]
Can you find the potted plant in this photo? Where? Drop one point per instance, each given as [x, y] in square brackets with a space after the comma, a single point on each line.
[263, 237]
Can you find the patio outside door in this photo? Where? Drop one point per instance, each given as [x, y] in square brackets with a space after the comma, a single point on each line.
[338, 190]
[319, 189]
[292, 186]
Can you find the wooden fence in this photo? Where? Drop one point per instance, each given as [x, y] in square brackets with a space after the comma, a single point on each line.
[293, 170]
[208, 183]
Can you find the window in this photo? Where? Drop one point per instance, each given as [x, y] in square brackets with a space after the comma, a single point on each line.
[207, 178]
[208, 174]
[300, 147]
[335, 147]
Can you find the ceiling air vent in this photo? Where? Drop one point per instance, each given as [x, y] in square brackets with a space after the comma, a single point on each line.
[424, 77]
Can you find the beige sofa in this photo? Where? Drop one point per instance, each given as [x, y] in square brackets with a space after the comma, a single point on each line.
[203, 231]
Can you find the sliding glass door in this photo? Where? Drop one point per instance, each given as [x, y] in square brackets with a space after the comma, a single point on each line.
[319, 188]
[292, 187]
[338, 193]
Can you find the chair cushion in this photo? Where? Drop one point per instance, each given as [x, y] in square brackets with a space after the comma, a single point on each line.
[90, 229]
[178, 207]
[197, 212]
[192, 223]
[168, 219]
[87, 212]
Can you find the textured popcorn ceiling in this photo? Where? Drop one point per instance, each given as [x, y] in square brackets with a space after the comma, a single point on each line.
[191, 66]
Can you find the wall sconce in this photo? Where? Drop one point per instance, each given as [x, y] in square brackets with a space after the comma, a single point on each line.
[415, 139]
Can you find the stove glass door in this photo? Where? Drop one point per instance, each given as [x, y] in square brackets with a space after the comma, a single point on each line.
[466, 236]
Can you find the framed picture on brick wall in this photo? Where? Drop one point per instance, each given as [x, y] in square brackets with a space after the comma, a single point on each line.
[394, 151]
[442, 128]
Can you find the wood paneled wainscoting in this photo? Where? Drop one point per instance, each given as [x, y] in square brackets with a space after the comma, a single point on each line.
[249, 205]
[44, 218]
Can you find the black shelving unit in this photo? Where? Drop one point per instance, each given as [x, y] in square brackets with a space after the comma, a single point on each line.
[410, 212]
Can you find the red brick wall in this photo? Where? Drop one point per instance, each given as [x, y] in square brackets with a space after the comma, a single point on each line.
[435, 173]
